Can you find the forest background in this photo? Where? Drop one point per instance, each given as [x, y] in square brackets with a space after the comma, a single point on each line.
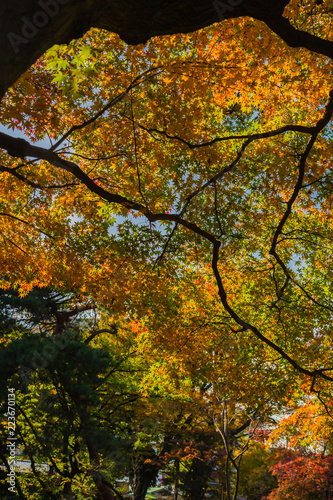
[166, 252]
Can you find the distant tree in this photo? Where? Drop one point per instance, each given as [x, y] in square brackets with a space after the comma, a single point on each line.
[256, 480]
[307, 477]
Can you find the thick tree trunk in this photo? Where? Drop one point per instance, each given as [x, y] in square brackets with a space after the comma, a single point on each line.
[29, 27]
[101, 487]
[144, 475]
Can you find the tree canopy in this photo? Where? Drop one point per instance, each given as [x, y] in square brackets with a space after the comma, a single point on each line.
[180, 188]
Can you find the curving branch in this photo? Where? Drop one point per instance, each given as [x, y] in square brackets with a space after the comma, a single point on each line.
[321, 124]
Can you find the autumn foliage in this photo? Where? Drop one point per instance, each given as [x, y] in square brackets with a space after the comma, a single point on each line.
[181, 191]
[306, 477]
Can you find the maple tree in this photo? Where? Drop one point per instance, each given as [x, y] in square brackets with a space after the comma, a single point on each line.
[308, 477]
[308, 426]
[189, 147]
[187, 188]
